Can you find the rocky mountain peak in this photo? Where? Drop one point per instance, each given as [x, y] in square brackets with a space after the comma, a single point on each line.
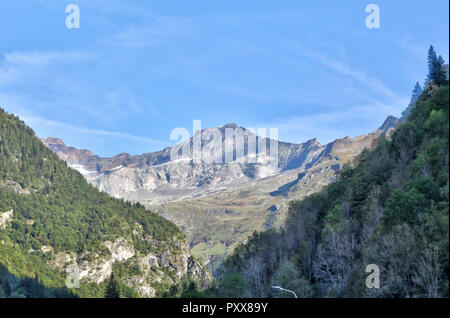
[52, 141]
[230, 125]
[389, 123]
[313, 142]
[67, 153]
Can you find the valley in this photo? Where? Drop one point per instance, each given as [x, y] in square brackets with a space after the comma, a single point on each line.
[218, 206]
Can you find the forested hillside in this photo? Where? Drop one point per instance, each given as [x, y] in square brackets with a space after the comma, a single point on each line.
[391, 210]
[50, 217]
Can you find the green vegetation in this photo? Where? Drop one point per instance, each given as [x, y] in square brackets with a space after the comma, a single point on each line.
[202, 250]
[13, 287]
[112, 289]
[53, 206]
[391, 209]
[186, 288]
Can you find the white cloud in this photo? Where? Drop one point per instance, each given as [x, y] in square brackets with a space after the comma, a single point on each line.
[39, 58]
[19, 66]
[326, 127]
[40, 122]
[51, 81]
[157, 31]
[375, 85]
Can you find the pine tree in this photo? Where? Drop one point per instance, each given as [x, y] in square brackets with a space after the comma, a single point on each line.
[112, 289]
[432, 59]
[441, 74]
[436, 71]
[416, 93]
[415, 96]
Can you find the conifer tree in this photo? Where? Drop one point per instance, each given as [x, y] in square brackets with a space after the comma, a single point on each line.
[436, 71]
[112, 289]
[415, 96]
[432, 59]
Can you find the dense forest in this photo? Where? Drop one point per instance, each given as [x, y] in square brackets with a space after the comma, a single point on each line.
[391, 209]
[53, 206]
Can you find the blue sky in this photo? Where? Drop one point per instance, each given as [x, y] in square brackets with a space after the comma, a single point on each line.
[135, 70]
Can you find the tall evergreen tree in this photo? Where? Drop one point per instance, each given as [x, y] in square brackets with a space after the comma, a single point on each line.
[436, 71]
[415, 96]
[432, 58]
[112, 289]
[416, 93]
[442, 75]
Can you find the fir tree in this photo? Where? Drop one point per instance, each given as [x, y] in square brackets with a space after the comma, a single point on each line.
[436, 71]
[441, 74]
[415, 96]
[112, 289]
[432, 59]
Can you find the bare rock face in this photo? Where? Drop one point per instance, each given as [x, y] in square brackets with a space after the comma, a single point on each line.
[218, 205]
[121, 249]
[97, 271]
[198, 273]
[149, 261]
[142, 286]
[14, 187]
[66, 153]
[5, 218]
[389, 124]
[97, 268]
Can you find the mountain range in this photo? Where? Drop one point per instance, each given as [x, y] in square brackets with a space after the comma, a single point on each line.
[218, 205]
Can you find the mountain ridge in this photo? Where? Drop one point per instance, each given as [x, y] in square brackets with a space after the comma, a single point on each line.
[189, 193]
[85, 156]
